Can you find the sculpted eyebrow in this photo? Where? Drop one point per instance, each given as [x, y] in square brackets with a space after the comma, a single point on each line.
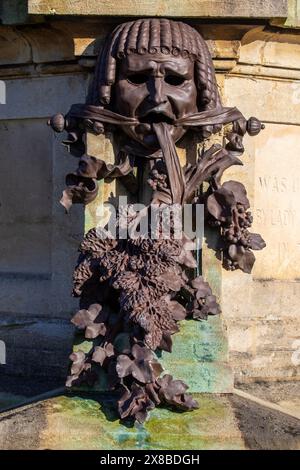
[179, 73]
[138, 69]
[183, 71]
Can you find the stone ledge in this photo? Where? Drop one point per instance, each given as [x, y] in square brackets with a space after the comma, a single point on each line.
[76, 423]
[270, 48]
[293, 18]
[33, 11]
[171, 8]
[60, 42]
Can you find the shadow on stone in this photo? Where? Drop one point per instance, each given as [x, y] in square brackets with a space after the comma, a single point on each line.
[263, 428]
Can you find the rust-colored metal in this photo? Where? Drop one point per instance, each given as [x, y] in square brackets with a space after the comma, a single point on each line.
[154, 82]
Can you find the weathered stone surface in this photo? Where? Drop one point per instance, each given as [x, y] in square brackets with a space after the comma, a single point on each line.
[261, 310]
[284, 394]
[13, 11]
[267, 72]
[276, 211]
[196, 8]
[48, 44]
[88, 36]
[270, 100]
[35, 232]
[77, 423]
[262, 319]
[263, 428]
[263, 367]
[25, 215]
[293, 19]
[41, 97]
[223, 49]
[64, 40]
[38, 241]
[271, 49]
[14, 48]
[35, 348]
[200, 357]
[263, 332]
[98, 212]
[81, 423]
[39, 45]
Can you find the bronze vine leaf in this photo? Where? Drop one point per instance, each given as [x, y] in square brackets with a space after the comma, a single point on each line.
[256, 241]
[173, 281]
[102, 352]
[135, 403]
[220, 203]
[78, 360]
[166, 342]
[79, 190]
[242, 257]
[143, 367]
[173, 392]
[178, 310]
[81, 370]
[95, 329]
[239, 191]
[84, 318]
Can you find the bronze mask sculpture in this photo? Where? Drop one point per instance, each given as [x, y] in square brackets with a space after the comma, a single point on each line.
[154, 82]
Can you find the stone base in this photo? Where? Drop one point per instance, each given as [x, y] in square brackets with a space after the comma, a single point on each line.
[83, 423]
[78, 423]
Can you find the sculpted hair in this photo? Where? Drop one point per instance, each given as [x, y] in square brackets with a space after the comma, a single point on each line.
[152, 36]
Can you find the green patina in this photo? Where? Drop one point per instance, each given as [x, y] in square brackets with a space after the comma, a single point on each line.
[199, 357]
[92, 424]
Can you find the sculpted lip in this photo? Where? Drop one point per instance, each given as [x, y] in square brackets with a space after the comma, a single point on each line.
[154, 117]
[157, 114]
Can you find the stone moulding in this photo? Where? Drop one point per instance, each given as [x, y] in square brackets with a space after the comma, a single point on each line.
[154, 84]
[186, 8]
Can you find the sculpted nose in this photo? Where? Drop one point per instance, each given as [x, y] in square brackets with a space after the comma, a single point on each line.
[158, 96]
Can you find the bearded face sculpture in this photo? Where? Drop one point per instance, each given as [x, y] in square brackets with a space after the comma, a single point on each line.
[154, 81]
[153, 71]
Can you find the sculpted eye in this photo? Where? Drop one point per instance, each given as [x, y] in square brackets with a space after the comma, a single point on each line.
[174, 80]
[137, 78]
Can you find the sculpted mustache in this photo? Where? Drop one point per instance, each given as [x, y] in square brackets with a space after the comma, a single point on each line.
[81, 186]
[219, 115]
